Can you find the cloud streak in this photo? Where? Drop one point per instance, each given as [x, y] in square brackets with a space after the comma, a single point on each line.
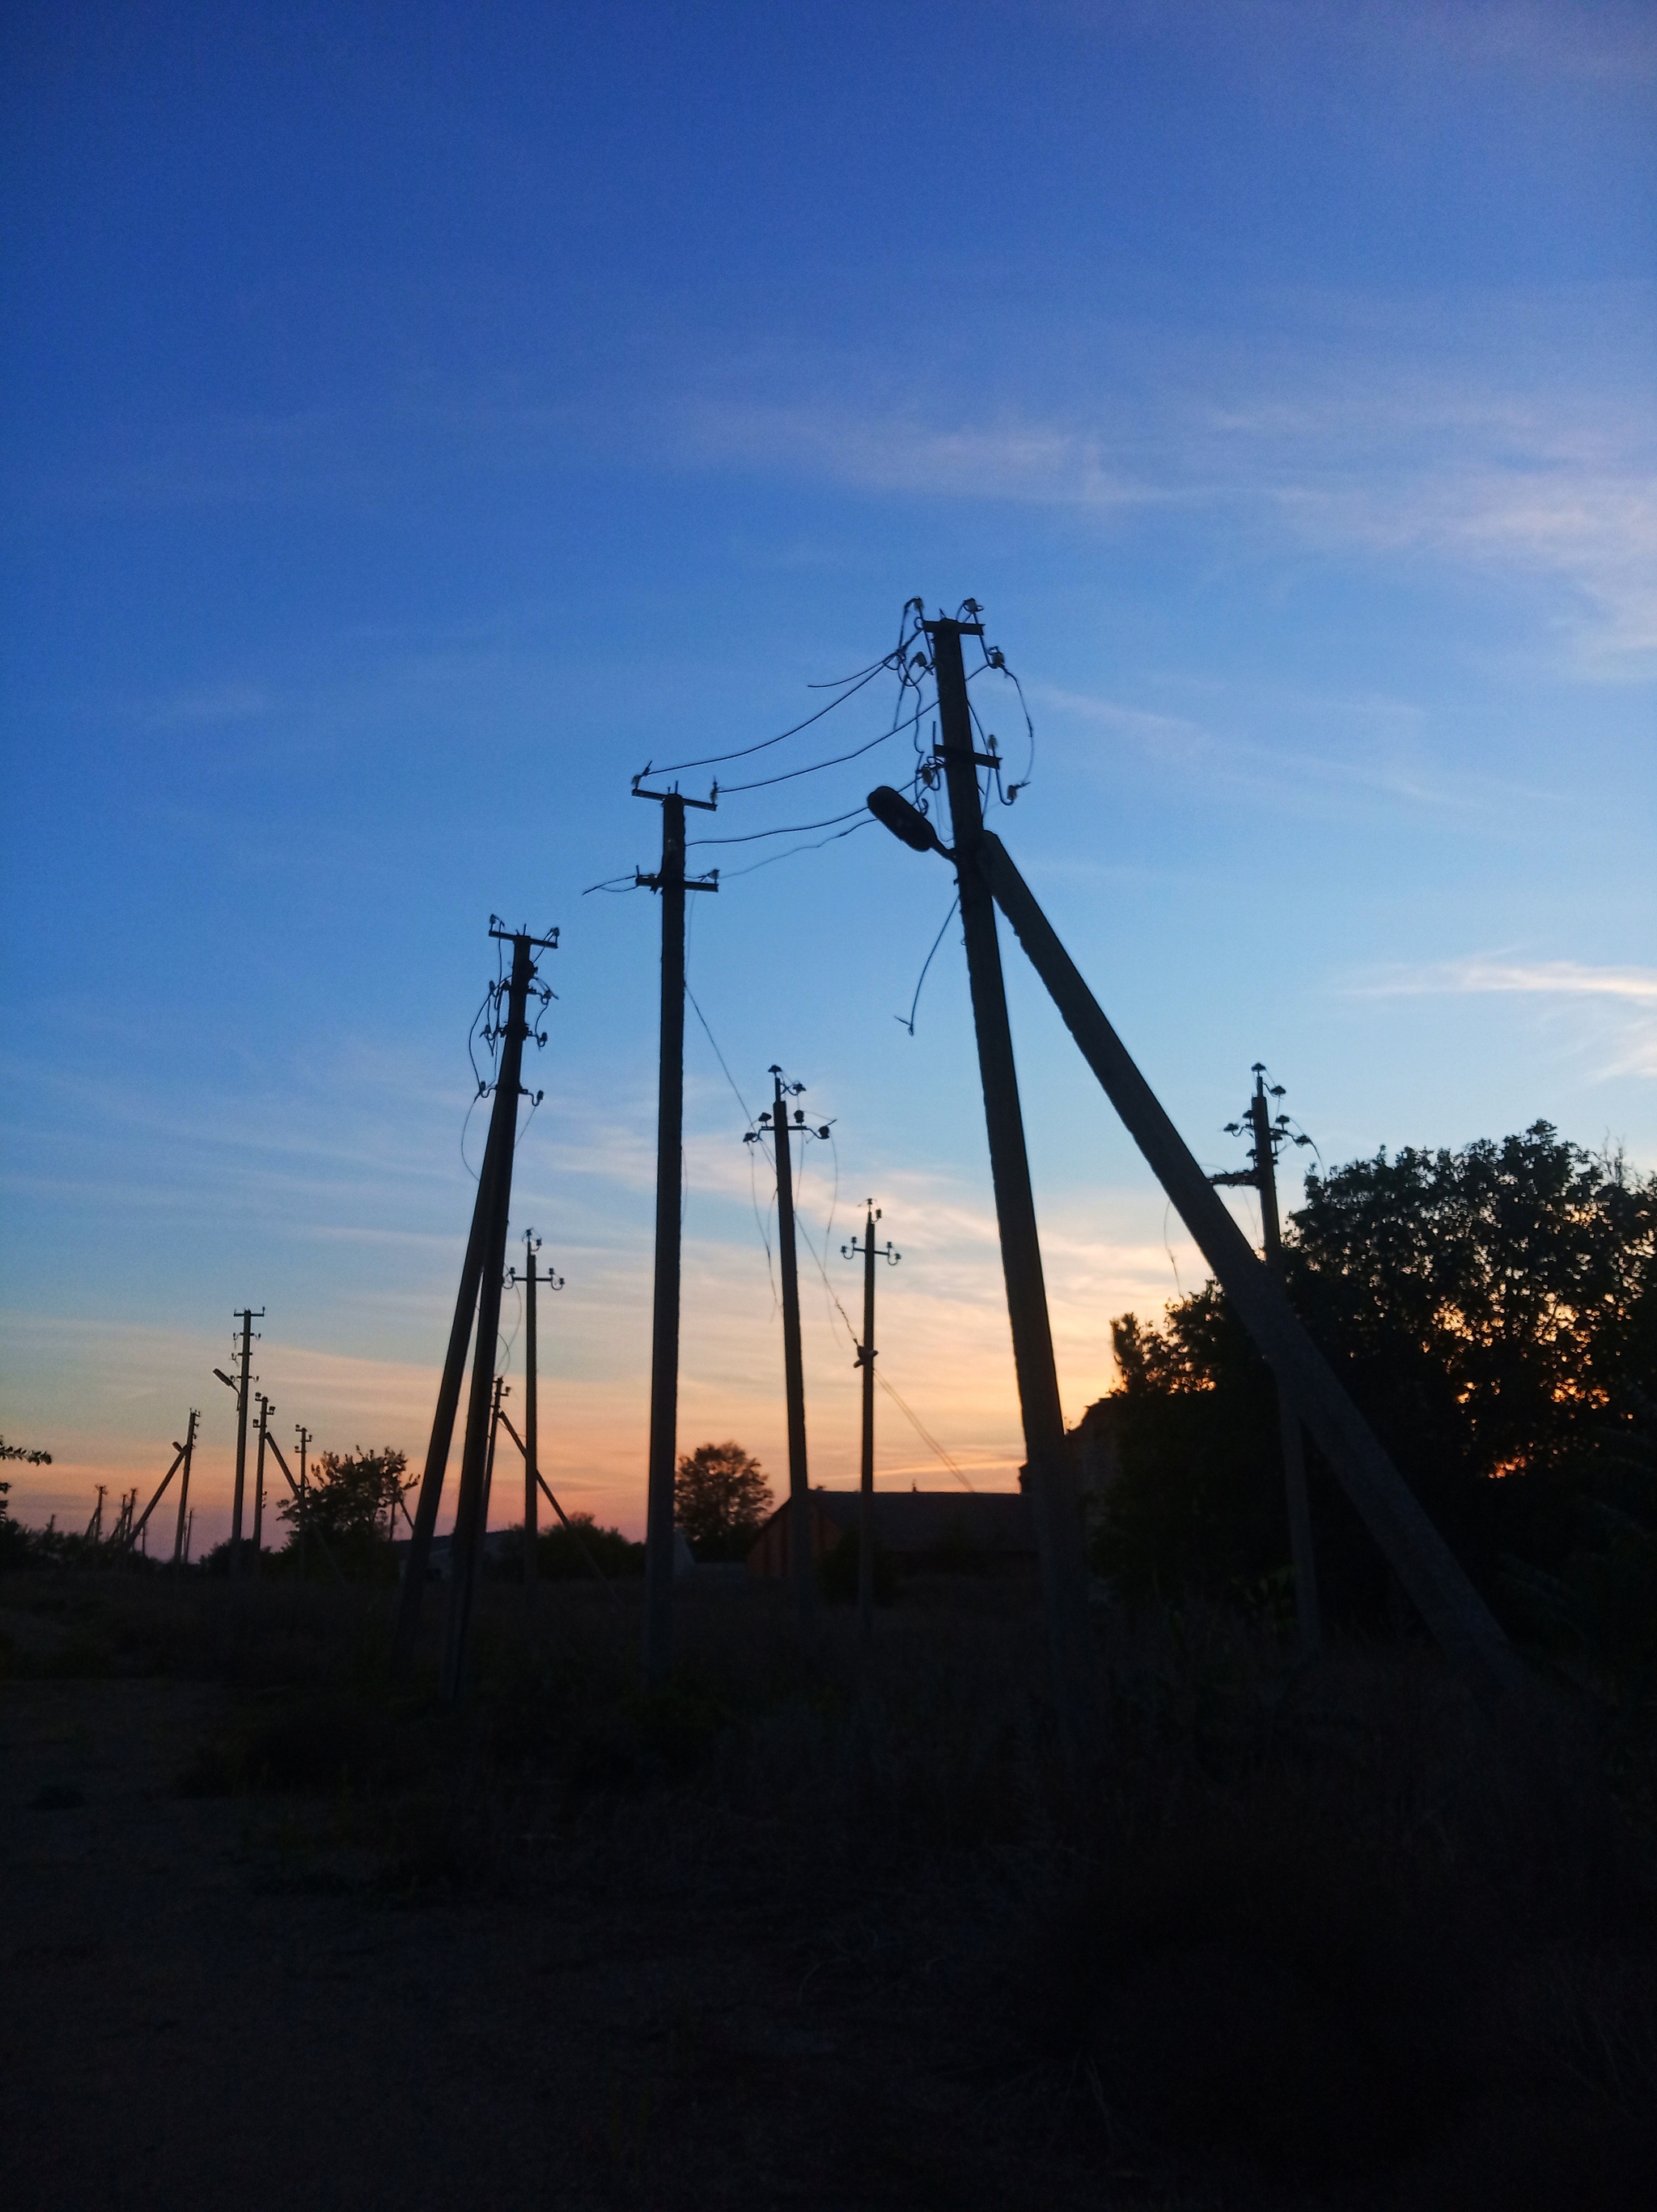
[1627, 995]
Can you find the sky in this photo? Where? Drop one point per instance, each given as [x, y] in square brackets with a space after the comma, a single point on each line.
[418, 419]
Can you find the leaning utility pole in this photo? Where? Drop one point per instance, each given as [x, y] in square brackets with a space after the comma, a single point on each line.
[865, 1360]
[479, 1298]
[246, 1317]
[530, 1277]
[495, 1431]
[265, 1411]
[1261, 1174]
[1054, 1505]
[182, 1529]
[673, 883]
[800, 1561]
[471, 1507]
[181, 1453]
[1452, 1609]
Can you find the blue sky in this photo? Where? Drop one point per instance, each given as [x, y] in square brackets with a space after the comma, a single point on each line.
[419, 418]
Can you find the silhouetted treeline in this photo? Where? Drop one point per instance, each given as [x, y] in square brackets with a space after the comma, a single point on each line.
[1494, 1312]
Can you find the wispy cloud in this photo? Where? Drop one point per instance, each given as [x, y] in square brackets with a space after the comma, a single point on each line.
[1389, 430]
[1388, 763]
[1626, 998]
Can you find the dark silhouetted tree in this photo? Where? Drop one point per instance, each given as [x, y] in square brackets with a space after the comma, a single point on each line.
[719, 1499]
[352, 1500]
[1494, 1312]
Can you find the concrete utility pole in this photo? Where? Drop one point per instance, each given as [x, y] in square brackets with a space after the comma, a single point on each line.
[530, 1278]
[865, 1360]
[265, 1411]
[471, 1506]
[304, 1435]
[800, 1563]
[1261, 1174]
[673, 883]
[1452, 1609]
[182, 1530]
[95, 1533]
[180, 1453]
[246, 1317]
[1054, 1505]
[481, 1268]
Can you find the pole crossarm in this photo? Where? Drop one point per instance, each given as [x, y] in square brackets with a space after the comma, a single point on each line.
[1452, 1609]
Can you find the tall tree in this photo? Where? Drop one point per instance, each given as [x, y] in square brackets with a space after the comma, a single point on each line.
[720, 1496]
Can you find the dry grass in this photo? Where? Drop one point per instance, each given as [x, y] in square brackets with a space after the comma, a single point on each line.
[1287, 1940]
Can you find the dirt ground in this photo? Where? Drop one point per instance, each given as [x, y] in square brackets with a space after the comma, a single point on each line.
[205, 2002]
[831, 1932]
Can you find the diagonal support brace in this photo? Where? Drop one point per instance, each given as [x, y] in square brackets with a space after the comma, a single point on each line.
[1458, 1617]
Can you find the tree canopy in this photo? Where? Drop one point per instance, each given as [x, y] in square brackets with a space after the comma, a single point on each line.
[1494, 1312]
[720, 1495]
[351, 1500]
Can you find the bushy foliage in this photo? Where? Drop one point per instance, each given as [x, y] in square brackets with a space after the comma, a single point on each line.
[720, 1495]
[1494, 1313]
[351, 1505]
[570, 1554]
[14, 1537]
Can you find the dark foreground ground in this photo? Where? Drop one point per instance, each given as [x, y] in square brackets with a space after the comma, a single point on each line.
[802, 1931]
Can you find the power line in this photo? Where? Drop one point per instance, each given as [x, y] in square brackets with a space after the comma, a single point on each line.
[718, 1054]
[784, 829]
[835, 760]
[910, 1023]
[742, 752]
[732, 874]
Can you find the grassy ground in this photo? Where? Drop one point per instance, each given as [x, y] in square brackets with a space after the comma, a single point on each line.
[809, 1928]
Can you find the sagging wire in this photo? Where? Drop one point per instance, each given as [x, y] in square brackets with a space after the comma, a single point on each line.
[925, 1433]
[1179, 1287]
[848, 687]
[747, 1117]
[908, 1021]
[729, 875]
[786, 830]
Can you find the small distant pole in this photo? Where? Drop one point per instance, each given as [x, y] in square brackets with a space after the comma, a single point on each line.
[246, 1317]
[865, 1360]
[472, 1505]
[265, 1411]
[179, 1553]
[776, 1121]
[95, 1527]
[530, 1278]
[673, 884]
[477, 1301]
[304, 1435]
[140, 1528]
[1261, 1174]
